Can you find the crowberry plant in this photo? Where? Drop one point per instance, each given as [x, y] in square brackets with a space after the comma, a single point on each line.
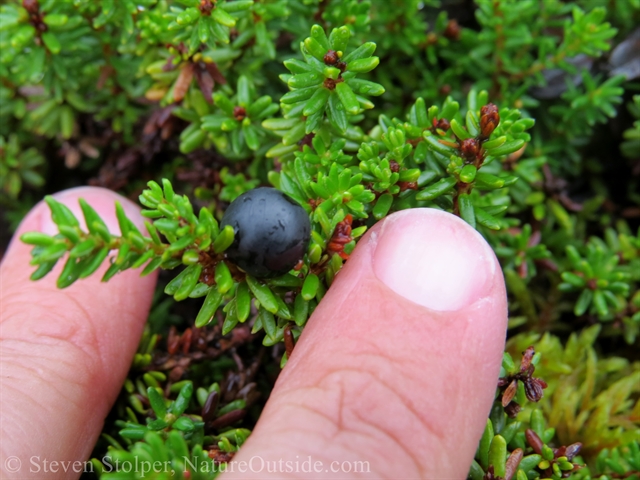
[519, 116]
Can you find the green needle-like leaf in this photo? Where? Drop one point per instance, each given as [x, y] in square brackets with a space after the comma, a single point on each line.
[348, 98]
[263, 294]
[317, 102]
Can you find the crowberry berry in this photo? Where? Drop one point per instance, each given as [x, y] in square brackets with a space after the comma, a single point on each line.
[272, 232]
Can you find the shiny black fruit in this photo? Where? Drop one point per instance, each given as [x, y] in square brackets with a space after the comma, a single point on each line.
[271, 232]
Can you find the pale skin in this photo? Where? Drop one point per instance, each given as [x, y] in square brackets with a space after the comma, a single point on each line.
[396, 368]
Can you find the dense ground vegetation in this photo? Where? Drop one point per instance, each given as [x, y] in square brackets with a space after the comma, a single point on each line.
[520, 116]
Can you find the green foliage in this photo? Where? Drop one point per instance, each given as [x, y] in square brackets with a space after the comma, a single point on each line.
[213, 98]
[521, 251]
[631, 146]
[18, 167]
[325, 84]
[173, 423]
[156, 457]
[620, 461]
[592, 105]
[187, 236]
[602, 285]
[237, 126]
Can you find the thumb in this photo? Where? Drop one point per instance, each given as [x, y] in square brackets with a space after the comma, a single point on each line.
[396, 371]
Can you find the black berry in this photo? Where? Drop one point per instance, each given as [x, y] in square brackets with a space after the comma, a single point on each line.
[271, 232]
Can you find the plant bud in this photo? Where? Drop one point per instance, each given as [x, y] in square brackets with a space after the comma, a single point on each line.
[206, 6]
[442, 124]
[452, 32]
[533, 389]
[331, 57]
[469, 148]
[239, 113]
[31, 6]
[512, 409]
[489, 119]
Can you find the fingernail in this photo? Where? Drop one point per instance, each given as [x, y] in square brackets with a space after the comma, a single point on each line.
[103, 202]
[434, 259]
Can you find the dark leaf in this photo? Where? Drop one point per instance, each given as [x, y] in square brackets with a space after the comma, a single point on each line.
[512, 464]
[534, 441]
[183, 82]
[228, 419]
[216, 74]
[509, 393]
[288, 341]
[210, 406]
[206, 83]
[573, 450]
